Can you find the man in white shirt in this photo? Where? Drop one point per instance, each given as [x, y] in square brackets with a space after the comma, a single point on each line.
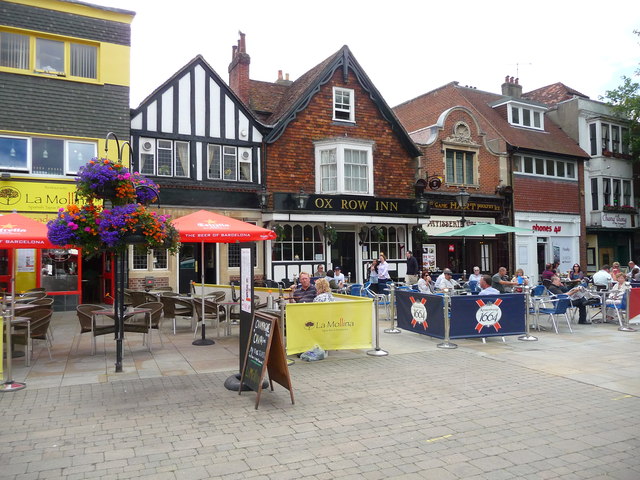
[445, 280]
[338, 276]
[602, 278]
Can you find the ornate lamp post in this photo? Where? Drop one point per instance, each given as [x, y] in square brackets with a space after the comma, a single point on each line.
[462, 197]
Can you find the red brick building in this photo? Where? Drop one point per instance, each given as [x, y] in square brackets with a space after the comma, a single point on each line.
[339, 169]
[513, 161]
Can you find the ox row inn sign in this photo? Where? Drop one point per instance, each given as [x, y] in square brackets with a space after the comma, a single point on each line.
[382, 206]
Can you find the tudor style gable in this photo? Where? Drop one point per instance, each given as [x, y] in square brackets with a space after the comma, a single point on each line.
[193, 130]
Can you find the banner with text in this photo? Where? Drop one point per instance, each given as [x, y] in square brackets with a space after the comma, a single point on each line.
[487, 315]
[341, 325]
[420, 313]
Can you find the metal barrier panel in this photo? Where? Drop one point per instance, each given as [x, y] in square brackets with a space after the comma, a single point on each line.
[634, 304]
[420, 313]
[488, 315]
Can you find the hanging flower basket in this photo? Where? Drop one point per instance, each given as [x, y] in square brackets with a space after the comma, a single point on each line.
[330, 234]
[94, 228]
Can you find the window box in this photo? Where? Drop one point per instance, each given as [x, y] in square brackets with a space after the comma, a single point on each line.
[619, 209]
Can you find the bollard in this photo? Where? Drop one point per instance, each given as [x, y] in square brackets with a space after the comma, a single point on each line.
[625, 327]
[527, 337]
[377, 352]
[392, 309]
[447, 323]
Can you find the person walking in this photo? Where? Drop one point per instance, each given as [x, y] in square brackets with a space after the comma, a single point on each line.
[413, 269]
[383, 273]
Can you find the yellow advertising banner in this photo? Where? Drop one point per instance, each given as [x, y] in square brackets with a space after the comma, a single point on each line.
[36, 196]
[341, 325]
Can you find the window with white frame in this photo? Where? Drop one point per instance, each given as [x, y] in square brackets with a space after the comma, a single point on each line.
[50, 56]
[229, 163]
[44, 155]
[525, 116]
[460, 167]
[545, 167]
[156, 259]
[344, 104]
[344, 166]
[390, 240]
[616, 192]
[164, 158]
[608, 137]
[299, 243]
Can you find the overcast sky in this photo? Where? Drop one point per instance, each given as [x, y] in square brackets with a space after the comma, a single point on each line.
[406, 47]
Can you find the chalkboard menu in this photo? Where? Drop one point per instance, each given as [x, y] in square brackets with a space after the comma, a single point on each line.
[265, 349]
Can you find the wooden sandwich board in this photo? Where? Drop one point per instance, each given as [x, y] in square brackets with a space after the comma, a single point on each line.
[265, 349]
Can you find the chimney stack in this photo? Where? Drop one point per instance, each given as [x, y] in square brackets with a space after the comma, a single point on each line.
[283, 81]
[239, 70]
[511, 87]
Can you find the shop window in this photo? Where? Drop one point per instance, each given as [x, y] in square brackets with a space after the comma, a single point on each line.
[59, 270]
[45, 156]
[388, 240]
[299, 243]
[141, 259]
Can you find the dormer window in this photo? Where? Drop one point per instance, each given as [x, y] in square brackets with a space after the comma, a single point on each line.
[525, 116]
[343, 105]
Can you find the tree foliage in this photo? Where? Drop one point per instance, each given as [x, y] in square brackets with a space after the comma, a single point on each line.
[625, 101]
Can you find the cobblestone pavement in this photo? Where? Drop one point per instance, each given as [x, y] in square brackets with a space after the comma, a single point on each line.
[436, 414]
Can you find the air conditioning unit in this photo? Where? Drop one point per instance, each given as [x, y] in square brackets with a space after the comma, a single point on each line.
[147, 146]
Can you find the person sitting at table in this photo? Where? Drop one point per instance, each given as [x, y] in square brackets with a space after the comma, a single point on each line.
[425, 284]
[475, 276]
[576, 296]
[339, 276]
[500, 280]
[445, 280]
[548, 272]
[305, 293]
[323, 291]
[618, 290]
[615, 269]
[630, 272]
[320, 271]
[331, 279]
[634, 275]
[602, 278]
[520, 279]
[485, 286]
[576, 274]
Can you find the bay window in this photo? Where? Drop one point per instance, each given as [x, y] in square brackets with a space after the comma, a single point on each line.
[344, 166]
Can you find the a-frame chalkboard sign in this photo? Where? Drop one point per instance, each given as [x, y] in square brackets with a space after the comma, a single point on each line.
[265, 349]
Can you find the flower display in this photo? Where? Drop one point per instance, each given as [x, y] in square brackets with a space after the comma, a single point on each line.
[102, 178]
[111, 227]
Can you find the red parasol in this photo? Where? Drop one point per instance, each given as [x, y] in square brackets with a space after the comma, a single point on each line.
[18, 231]
[208, 227]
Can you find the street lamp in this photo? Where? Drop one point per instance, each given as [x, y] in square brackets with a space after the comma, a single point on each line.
[462, 197]
[301, 199]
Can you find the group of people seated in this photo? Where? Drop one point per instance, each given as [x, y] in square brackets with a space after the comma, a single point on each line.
[320, 290]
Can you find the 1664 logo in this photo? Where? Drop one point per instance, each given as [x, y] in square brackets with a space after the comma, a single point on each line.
[418, 313]
[488, 315]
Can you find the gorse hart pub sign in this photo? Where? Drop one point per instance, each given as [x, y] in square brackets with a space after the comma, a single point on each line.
[377, 205]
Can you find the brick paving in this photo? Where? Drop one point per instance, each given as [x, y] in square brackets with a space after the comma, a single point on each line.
[431, 414]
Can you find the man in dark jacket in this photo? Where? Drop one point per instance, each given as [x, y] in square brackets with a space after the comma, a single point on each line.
[413, 269]
[557, 288]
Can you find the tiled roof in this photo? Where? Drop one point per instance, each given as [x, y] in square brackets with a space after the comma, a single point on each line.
[424, 111]
[553, 94]
[278, 99]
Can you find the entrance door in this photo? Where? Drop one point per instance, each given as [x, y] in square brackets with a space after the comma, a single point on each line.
[541, 256]
[191, 264]
[343, 254]
[606, 256]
